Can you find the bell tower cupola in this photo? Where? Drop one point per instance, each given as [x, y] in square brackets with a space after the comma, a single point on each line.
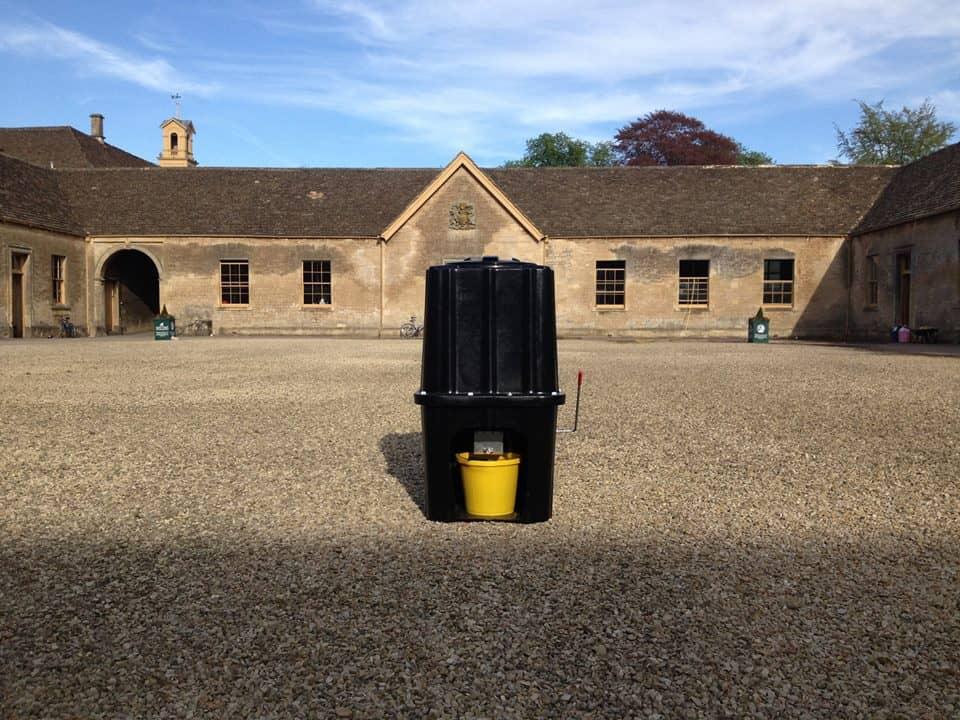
[177, 143]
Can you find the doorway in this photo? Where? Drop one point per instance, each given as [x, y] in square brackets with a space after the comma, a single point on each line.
[18, 270]
[111, 307]
[903, 289]
[131, 292]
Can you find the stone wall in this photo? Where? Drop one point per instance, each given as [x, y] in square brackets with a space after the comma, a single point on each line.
[934, 248]
[376, 285]
[652, 306]
[189, 278]
[41, 314]
[428, 239]
[190, 283]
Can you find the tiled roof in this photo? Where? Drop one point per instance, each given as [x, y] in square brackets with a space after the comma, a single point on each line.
[559, 201]
[925, 187]
[676, 201]
[241, 201]
[31, 196]
[64, 147]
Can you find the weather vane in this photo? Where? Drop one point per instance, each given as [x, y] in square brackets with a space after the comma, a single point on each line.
[176, 101]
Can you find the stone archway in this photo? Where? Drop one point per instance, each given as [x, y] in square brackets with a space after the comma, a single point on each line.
[131, 292]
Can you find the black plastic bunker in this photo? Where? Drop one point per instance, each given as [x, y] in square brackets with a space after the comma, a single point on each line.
[489, 380]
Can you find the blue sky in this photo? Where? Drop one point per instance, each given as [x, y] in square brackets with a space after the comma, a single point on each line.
[408, 83]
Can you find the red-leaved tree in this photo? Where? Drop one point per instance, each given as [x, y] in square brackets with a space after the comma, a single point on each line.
[666, 137]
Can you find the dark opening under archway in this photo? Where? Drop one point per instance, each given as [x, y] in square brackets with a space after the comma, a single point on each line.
[131, 292]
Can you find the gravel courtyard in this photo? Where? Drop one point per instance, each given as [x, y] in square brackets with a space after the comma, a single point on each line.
[225, 528]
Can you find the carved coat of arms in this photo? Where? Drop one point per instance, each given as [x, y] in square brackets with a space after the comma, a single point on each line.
[463, 216]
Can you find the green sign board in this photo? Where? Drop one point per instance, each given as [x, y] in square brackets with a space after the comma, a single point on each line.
[758, 328]
[163, 328]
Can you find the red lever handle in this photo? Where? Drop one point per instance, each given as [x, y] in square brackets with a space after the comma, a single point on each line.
[579, 378]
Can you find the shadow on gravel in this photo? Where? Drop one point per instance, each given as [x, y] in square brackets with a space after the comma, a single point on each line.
[404, 455]
[477, 624]
[912, 349]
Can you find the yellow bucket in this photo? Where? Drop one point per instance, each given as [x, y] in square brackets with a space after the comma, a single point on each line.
[489, 483]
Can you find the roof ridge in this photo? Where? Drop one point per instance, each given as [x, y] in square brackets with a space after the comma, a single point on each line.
[926, 187]
[83, 153]
[209, 168]
[41, 127]
[945, 148]
[85, 140]
[65, 146]
[32, 196]
[13, 158]
[638, 168]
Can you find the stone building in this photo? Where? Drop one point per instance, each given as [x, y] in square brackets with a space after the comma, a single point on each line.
[89, 231]
[906, 251]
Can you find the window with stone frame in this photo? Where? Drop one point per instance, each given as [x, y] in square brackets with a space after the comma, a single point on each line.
[778, 282]
[873, 281]
[316, 282]
[694, 283]
[611, 283]
[58, 275]
[234, 282]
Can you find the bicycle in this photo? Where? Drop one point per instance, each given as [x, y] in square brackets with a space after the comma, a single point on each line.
[67, 328]
[410, 329]
[200, 328]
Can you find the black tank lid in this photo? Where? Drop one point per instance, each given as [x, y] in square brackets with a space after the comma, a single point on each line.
[489, 334]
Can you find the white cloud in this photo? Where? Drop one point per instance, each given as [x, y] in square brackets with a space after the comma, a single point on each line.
[572, 64]
[468, 75]
[374, 22]
[614, 41]
[98, 58]
[154, 44]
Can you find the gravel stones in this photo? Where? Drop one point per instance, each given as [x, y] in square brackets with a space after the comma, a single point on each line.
[232, 527]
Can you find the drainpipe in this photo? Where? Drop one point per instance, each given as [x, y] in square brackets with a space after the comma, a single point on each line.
[88, 287]
[846, 320]
[381, 242]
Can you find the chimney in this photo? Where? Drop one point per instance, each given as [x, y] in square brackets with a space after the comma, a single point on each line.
[96, 126]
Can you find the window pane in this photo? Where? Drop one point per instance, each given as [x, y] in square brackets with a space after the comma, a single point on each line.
[694, 282]
[58, 266]
[778, 269]
[778, 282]
[234, 282]
[778, 293]
[694, 268]
[610, 282]
[873, 285]
[316, 282]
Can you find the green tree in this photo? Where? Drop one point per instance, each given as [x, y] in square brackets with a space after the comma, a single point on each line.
[893, 137]
[603, 154]
[752, 157]
[561, 150]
